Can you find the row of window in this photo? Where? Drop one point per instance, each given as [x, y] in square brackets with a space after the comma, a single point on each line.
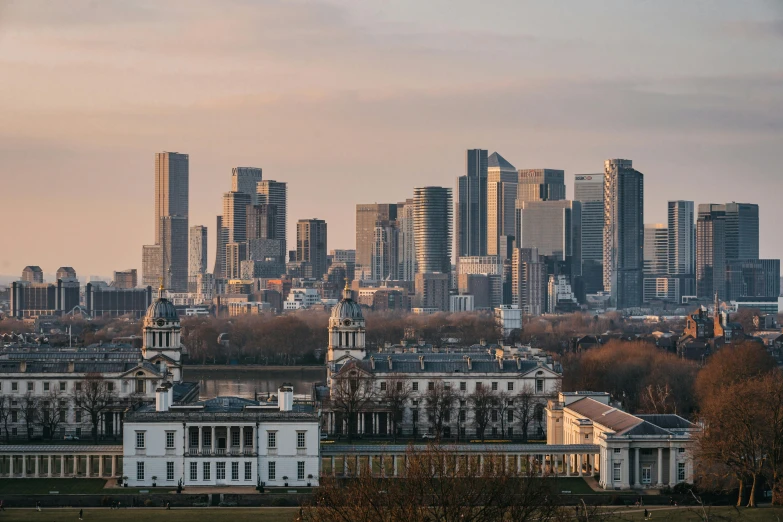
[646, 473]
[271, 439]
[463, 385]
[46, 386]
[220, 471]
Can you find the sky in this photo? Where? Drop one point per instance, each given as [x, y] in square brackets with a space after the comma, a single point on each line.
[361, 101]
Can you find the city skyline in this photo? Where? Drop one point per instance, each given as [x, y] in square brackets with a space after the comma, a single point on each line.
[693, 125]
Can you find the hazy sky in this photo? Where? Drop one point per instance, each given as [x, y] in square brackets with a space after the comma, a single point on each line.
[361, 101]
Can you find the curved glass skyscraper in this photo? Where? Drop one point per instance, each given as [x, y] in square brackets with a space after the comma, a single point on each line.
[432, 211]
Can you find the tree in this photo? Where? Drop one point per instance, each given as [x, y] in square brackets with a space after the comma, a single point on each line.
[481, 402]
[525, 403]
[5, 415]
[731, 365]
[439, 402]
[352, 390]
[28, 408]
[50, 419]
[504, 405]
[93, 396]
[398, 391]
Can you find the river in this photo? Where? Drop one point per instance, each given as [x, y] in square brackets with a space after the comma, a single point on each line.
[246, 381]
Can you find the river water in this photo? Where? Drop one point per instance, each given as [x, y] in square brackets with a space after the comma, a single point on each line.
[246, 381]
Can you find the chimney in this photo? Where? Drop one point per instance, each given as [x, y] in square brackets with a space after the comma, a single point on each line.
[372, 362]
[483, 342]
[161, 399]
[470, 366]
[519, 362]
[23, 366]
[285, 397]
[170, 397]
[71, 367]
[421, 361]
[390, 362]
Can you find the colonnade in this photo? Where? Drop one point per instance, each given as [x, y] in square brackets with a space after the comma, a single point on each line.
[48, 465]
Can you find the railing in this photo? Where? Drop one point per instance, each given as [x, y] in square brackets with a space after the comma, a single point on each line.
[249, 451]
[221, 451]
[301, 451]
[193, 452]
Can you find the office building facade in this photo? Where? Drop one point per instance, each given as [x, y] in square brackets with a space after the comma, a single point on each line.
[554, 228]
[275, 193]
[311, 245]
[528, 281]
[471, 222]
[752, 278]
[502, 182]
[197, 255]
[541, 185]
[432, 216]
[126, 278]
[432, 291]
[589, 191]
[245, 180]
[367, 217]
[406, 241]
[682, 245]
[623, 233]
[32, 274]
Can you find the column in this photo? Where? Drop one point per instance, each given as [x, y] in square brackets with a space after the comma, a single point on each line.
[100, 465]
[49, 466]
[637, 473]
[519, 463]
[481, 464]
[369, 464]
[345, 465]
[394, 465]
[212, 448]
[241, 440]
[62, 465]
[35, 465]
[114, 466]
[87, 466]
[579, 463]
[334, 471]
[660, 466]
[672, 466]
[24, 466]
[200, 440]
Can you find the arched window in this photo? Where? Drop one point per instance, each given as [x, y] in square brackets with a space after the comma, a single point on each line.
[168, 343]
[160, 338]
[354, 339]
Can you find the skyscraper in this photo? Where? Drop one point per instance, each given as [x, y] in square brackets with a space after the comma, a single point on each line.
[276, 193]
[502, 180]
[656, 249]
[472, 205]
[589, 191]
[406, 242]
[384, 251]
[171, 224]
[32, 274]
[541, 185]
[724, 233]
[554, 229]
[367, 216]
[682, 245]
[432, 229]
[125, 279]
[245, 180]
[528, 281]
[623, 232]
[197, 255]
[261, 222]
[221, 239]
[311, 245]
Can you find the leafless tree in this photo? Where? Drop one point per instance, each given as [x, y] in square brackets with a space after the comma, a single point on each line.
[481, 402]
[5, 415]
[504, 405]
[50, 419]
[439, 402]
[351, 392]
[525, 403]
[28, 408]
[93, 396]
[395, 396]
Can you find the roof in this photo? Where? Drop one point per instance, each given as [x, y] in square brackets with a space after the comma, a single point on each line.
[668, 421]
[347, 308]
[608, 416]
[223, 409]
[162, 308]
[343, 449]
[445, 363]
[495, 160]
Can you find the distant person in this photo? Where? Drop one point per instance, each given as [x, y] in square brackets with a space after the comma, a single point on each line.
[38, 506]
[81, 514]
[647, 514]
[168, 505]
[2, 507]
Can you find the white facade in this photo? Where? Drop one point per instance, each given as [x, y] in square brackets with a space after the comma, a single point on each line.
[509, 318]
[461, 303]
[299, 298]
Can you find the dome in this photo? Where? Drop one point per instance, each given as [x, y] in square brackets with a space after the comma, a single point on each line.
[162, 308]
[347, 308]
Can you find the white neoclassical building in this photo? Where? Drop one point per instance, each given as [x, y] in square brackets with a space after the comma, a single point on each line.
[635, 451]
[222, 441]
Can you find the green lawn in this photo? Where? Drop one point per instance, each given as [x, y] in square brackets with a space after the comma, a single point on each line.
[153, 514]
[78, 486]
[576, 485]
[762, 514]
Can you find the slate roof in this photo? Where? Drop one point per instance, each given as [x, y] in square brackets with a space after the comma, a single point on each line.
[495, 160]
[669, 422]
[646, 428]
[609, 416]
[219, 409]
[444, 363]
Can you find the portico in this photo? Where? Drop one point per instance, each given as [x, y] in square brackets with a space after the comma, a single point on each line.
[46, 461]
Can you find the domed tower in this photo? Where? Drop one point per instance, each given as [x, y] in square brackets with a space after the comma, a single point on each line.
[346, 329]
[162, 345]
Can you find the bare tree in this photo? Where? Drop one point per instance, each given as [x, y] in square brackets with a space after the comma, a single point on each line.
[525, 403]
[28, 408]
[481, 402]
[398, 391]
[50, 419]
[351, 392]
[657, 398]
[504, 405]
[439, 403]
[93, 396]
[5, 415]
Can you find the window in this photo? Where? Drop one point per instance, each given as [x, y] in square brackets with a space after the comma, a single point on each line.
[14, 416]
[494, 431]
[249, 439]
[510, 416]
[63, 415]
[680, 450]
[110, 386]
[78, 432]
[13, 432]
[62, 386]
[383, 386]
[78, 414]
[478, 385]
[271, 471]
[587, 435]
[463, 386]
[462, 415]
[271, 439]
[647, 475]
[494, 386]
[494, 415]
[1, 385]
[77, 386]
[140, 470]
[680, 472]
[462, 403]
[617, 471]
[46, 386]
[235, 471]
[510, 386]
[206, 471]
[415, 415]
[14, 386]
[140, 440]
[193, 439]
[300, 470]
[430, 385]
[415, 386]
[447, 416]
[220, 471]
[447, 385]
[300, 439]
[234, 438]
[617, 450]
[30, 386]
[510, 432]
[248, 471]
[170, 440]
[194, 471]
[207, 439]
[647, 451]
[399, 385]
[169, 471]
[539, 385]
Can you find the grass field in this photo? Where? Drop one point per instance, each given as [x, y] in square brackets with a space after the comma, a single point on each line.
[152, 514]
[763, 514]
[80, 486]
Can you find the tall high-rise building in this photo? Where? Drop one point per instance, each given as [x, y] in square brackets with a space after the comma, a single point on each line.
[502, 178]
[311, 245]
[171, 223]
[275, 193]
[261, 222]
[432, 229]
[623, 232]
[541, 185]
[383, 263]
[125, 279]
[724, 233]
[471, 219]
[528, 281]
[406, 241]
[656, 249]
[752, 278]
[245, 179]
[367, 217]
[65, 272]
[589, 191]
[432, 290]
[221, 239]
[197, 255]
[554, 229]
[32, 274]
[682, 245]
[235, 215]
